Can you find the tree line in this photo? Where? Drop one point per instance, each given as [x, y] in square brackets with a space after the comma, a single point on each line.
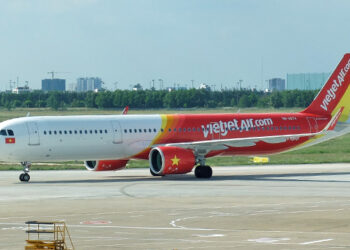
[150, 99]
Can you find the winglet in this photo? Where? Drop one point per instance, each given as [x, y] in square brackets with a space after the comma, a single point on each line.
[335, 119]
[333, 122]
[125, 110]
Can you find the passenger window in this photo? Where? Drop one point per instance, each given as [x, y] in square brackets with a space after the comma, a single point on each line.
[150, 130]
[179, 129]
[189, 130]
[135, 130]
[101, 131]
[60, 132]
[130, 130]
[55, 132]
[140, 130]
[107, 131]
[10, 132]
[145, 130]
[70, 131]
[3, 132]
[50, 132]
[85, 131]
[154, 130]
[174, 129]
[80, 131]
[65, 132]
[125, 131]
[90, 131]
[169, 129]
[44, 132]
[75, 132]
[95, 131]
[162, 130]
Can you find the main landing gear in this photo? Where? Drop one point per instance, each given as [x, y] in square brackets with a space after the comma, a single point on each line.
[203, 172]
[25, 177]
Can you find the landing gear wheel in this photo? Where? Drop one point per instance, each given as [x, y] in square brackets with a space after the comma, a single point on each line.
[203, 172]
[153, 173]
[24, 177]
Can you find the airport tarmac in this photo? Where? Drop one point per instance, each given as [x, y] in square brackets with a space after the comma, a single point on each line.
[250, 207]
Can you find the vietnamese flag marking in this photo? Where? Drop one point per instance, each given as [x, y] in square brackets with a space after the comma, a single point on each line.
[10, 140]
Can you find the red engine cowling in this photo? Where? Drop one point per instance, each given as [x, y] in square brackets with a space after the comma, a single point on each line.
[105, 165]
[171, 160]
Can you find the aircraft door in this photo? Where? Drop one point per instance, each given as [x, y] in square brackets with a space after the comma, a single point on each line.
[313, 124]
[117, 132]
[33, 133]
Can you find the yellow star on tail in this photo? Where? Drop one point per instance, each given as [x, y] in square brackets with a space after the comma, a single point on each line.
[175, 161]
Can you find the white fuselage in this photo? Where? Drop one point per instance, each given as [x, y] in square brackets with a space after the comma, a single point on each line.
[64, 138]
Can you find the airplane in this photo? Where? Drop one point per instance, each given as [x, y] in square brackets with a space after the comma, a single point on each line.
[176, 143]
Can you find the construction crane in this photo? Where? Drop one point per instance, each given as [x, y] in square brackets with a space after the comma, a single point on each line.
[52, 73]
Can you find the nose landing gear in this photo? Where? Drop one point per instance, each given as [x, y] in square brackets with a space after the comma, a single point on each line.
[25, 177]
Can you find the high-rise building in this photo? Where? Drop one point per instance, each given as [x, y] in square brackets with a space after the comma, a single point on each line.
[306, 81]
[88, 84]
[277, 84]
[53, 85]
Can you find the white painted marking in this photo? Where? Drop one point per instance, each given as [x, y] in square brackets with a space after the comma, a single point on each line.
[313, 242]
[269, 240]
[209, 235]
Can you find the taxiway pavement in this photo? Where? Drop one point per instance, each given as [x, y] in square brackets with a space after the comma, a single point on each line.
[251, 207]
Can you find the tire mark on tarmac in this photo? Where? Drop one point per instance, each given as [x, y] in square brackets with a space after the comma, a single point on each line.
[124, 192]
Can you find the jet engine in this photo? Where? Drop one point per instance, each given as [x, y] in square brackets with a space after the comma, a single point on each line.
[171, 160]
[105, 165]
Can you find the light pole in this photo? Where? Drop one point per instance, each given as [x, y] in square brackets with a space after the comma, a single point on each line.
[160, 83]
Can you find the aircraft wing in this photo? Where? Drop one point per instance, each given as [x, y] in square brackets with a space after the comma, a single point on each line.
[221, 144]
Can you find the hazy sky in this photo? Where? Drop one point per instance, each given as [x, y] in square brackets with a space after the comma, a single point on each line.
[135, 41]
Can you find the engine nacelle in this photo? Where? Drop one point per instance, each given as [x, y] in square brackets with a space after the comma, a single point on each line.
[105, 165]
[171, 160]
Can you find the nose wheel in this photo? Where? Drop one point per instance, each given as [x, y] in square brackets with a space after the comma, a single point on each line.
[25, 177]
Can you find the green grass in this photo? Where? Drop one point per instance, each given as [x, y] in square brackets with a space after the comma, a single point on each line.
[336, 150]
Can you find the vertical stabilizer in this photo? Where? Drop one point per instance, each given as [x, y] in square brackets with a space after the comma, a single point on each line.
[335, 94]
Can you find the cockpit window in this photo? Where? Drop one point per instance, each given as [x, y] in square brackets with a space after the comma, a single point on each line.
[3, 132]
[10, 132]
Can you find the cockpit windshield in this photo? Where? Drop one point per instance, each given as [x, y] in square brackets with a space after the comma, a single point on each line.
[8, 132]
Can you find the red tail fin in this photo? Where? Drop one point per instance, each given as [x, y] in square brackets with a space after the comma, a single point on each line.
[334, 90]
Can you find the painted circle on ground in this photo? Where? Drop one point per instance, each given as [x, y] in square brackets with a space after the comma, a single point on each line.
[95, 222]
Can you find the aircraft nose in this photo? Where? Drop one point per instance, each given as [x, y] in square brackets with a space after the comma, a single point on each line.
[6, 143]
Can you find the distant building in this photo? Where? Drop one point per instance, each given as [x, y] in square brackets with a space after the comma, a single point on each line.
[277, 84]
[306, 81]
[53, 85]
[204, 86]
[88, 84]
[137, 87]
[20, 90]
